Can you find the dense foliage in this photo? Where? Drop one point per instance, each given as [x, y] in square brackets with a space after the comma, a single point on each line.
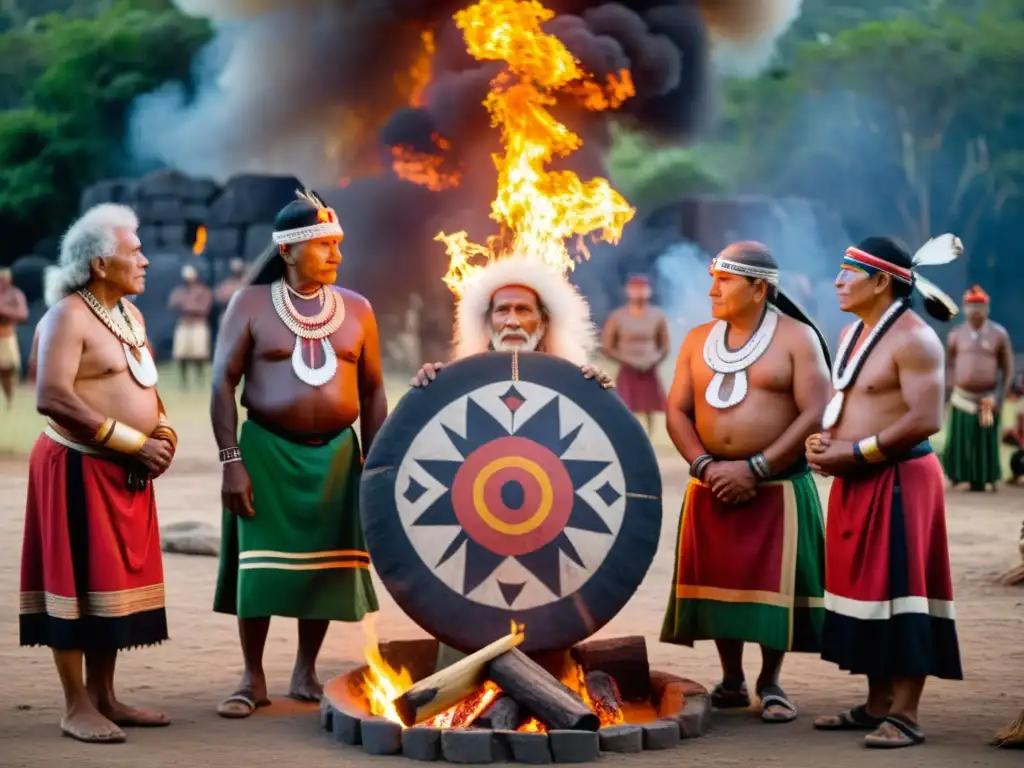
[67, 80]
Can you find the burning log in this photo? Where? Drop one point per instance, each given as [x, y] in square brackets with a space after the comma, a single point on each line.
[605, 698]
[541, 694]
[624, 659]
[502, 715]
[435, 694]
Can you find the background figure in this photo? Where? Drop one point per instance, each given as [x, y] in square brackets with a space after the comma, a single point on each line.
[979, 373]
[13, 310]
[636, 336]
[193, 302]
[222, 294]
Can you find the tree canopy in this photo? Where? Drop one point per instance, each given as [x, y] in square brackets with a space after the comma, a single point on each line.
[67, 81]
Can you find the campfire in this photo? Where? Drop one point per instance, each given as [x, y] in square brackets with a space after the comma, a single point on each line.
[497, 687]
[600, 695]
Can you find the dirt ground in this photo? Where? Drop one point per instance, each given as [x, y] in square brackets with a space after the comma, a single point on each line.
[200, 664]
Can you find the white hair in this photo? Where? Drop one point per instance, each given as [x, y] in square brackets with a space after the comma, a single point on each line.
[92, 236]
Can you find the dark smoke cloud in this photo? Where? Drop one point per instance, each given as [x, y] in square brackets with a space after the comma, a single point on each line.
[295, 77]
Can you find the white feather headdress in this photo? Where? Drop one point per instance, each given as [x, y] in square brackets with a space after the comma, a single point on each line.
[570, 334]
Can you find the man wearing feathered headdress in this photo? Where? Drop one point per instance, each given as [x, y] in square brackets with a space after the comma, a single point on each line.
[518, 303]
[889, 611]
[979, 371]
[292, 541]
[748, 389]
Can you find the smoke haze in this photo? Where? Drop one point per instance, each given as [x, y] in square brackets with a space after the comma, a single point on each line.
[321, 88]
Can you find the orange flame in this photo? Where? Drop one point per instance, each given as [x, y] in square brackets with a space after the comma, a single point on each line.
[200, 244]
[425, 168]
[540, 209]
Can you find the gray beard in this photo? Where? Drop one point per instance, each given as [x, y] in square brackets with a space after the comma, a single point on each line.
[529, 345]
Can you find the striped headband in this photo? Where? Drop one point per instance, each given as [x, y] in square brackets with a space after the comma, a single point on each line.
[327, 226]
[857, 260]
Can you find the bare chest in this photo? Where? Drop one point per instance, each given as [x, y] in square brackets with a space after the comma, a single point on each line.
[878, 371]
[103, 355]
[980, 343]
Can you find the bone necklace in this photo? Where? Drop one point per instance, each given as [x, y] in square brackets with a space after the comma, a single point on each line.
[728, 362]
[309, 330]
[140, 362]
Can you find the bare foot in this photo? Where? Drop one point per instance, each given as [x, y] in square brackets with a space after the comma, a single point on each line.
[88, 725]
[305, 687]
[126, 716]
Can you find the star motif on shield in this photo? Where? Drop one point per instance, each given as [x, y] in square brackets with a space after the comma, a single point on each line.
[513, 494]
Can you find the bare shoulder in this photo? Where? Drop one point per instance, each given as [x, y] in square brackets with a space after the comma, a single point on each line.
[698, 334]
[915, 343]
[795, 333]
[354, 302]
[250, 299]
[67, 315]
[999, 330]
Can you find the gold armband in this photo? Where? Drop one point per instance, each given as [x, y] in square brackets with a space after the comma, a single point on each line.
[868, 450]
[120, 437]
[103, 433]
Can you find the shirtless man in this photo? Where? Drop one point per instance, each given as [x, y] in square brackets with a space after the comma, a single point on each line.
[91, 570]
[979, 371]
[193, 302]
[13, 310]
[310, 357]
[636, 336]
[888, 593]
[749, 387]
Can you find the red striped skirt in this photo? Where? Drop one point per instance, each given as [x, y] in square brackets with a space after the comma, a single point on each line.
[888, 591]
[641, 391]
[91, 567]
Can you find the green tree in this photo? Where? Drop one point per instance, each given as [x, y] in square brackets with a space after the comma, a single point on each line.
[76, 90]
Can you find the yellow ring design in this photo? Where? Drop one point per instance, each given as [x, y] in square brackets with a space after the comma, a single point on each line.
[547, 496]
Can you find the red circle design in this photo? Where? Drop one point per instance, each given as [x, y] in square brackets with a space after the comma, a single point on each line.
[499, 542]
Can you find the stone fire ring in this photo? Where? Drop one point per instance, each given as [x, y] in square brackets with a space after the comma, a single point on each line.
[683, 705]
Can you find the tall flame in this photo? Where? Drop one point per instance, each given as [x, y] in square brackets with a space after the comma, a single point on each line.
[538, 209]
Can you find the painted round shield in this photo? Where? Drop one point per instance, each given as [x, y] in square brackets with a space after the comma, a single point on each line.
[487, 499]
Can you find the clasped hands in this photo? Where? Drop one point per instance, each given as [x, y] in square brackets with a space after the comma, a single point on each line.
[731, 481]
[827, 456]
[986, 411]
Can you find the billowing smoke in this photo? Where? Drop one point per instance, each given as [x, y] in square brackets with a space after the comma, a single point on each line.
[321, 88]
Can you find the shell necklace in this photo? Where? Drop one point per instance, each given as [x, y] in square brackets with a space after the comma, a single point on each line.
[847, 367]
[308, 330]
[734, 362]
[140, 361]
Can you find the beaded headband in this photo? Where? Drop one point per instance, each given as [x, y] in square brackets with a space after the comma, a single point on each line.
[768, 274]
[327, 224]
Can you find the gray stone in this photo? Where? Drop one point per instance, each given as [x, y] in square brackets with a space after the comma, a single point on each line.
[529, 748]
[574, 746]
[661, 734]
[326, 714]
[422, 743]
[381, 737]
[346, 728]
[190, 538]
[624, 739]
[467, 745]
[695, 719]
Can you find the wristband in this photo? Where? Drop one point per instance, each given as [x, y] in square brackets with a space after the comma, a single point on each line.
[759, 466]
[164, 432]
[229, 455]
[104, 431]
[122, 438]
[700, 465]
[868, 450]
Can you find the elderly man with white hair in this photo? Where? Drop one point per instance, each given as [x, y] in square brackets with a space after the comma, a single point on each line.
[91, 570]
[193, 302]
